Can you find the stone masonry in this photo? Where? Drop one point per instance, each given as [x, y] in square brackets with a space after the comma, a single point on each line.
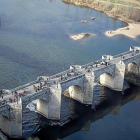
[78, 81]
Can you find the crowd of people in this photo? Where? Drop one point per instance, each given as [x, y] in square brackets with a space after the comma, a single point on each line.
[6, 97]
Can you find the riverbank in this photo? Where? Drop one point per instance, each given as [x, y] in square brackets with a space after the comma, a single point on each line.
[132, 31]
[123, 12]
[131, 16]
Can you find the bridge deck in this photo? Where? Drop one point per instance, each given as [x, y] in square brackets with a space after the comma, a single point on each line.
[52, 81]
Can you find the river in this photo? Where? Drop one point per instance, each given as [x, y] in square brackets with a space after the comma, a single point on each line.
[35, 40]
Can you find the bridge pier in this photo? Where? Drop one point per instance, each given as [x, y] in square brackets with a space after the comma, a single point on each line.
[119, 76]
[50, 108]
[11, 124]
[54, 104]
[88, 88]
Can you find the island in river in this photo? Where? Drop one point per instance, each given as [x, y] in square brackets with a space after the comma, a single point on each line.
[79, 36]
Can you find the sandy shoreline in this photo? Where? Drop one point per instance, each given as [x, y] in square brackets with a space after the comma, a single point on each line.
[132, 31]
[133, 28]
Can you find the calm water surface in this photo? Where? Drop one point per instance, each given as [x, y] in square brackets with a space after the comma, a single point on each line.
[34, 41]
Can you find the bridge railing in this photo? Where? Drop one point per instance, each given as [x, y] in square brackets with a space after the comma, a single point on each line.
[92, 63]
[100, 60]
[70, 78]
[122, 54]
[133, 54]
[59, 74]
[24, 86]
[62, 73]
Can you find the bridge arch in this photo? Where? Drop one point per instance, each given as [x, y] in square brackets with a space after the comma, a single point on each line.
[42, 107]
[132, 60]
[74, 92]
[132, 67]
[110, 70]
[40, 100]
[106, 79]
[75, 88]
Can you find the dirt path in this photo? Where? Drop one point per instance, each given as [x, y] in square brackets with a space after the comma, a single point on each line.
[133, 1]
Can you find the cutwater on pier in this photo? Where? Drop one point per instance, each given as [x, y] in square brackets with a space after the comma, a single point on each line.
[78, 81]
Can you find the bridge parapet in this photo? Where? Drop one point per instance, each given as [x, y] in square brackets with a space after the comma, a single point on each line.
[134, 48]
[132, 58]
[61, 73]
[71, 78]
[75, 67]
[72, 81]
[42, 94]
[119, 55]
[107, 57]
[5, 110]
[42, 78]
[95, 62]
[24, 86]
[109, 69]
[6, 91]
[86, 65]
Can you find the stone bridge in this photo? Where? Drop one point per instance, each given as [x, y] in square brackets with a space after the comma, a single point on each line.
[77, 83]
[5, 110]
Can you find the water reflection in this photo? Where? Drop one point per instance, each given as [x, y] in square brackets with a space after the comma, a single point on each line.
[110, 105]
[34, 41]
[0, 22]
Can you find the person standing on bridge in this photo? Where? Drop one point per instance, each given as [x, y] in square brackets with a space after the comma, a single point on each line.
[45, 83]
[2, 97]
[34, 87]
[40, 84]
[1, 92]
[38, 88]
[16, 92]
[17, 99]
[9, 99]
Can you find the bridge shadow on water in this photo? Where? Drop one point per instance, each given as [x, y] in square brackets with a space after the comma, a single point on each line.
[78, 117]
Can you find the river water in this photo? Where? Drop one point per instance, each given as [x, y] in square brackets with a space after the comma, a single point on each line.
[35, 40]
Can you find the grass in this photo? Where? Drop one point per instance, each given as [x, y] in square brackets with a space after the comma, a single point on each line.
[123, 3]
